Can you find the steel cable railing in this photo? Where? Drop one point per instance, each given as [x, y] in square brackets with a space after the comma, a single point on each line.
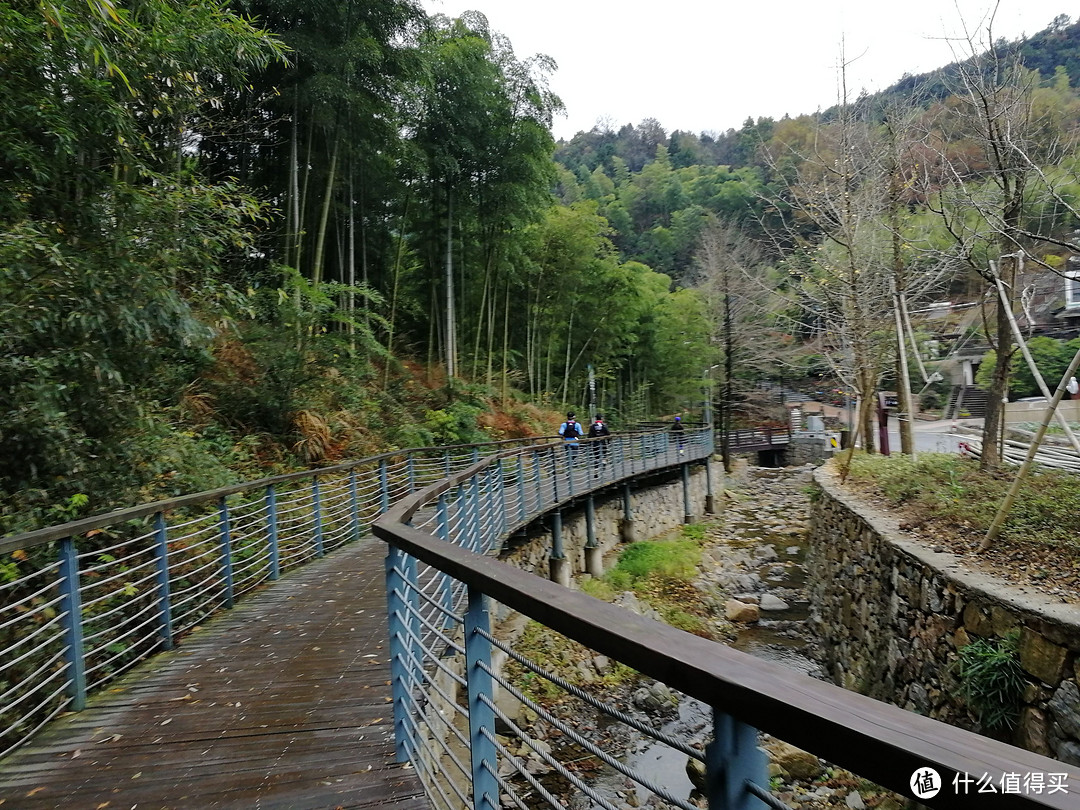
[476, 511]
[472, 511]
[83, 602]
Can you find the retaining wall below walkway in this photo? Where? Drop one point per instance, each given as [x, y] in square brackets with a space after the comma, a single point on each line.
[657, 506]
[892, 615]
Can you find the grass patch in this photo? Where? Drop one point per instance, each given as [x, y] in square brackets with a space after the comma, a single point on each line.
[660, 573]
[946, 490]
[694, 531]
[658, 559]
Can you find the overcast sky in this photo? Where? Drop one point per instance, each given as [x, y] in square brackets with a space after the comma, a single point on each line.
[707, 65]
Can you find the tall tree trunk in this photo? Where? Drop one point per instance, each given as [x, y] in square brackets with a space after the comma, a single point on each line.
[324, 216]
[566, 366]
[351, 263]
[394, 292]
[491, 333]
[292, 235]
[904, 399]
[302, 215]
[999, 384]
[506, 345]
[729, 373]
[451, 322]
[480, 320]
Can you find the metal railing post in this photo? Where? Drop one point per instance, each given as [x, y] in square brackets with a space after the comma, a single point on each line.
[161, 552]
[384, 488]
[732, 760]
[226, 550]
[442, 515]
[489, 501]
[522, 511]
[500, 482]
[572, 450]
[446, 462]
[410, 469]
[71, 605]
[397, 604]
[555, 474]
[482, 750]
[316, 508]
[688, 510]
[539, 484]
[474, 502]
[272, 524]
[354, 505]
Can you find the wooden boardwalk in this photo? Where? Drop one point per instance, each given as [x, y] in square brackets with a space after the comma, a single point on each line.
[283, 702]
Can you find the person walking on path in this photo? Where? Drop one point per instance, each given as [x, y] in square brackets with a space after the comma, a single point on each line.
[678, 430]
[570, 431]
[598, 430]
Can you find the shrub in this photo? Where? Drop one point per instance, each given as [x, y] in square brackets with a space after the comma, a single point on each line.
[991, 680]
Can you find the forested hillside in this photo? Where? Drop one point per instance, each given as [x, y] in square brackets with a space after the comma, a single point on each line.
[831, 227]
[237, 238]
[241, 237]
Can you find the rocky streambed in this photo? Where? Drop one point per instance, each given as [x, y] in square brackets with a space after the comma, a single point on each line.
[752, 580]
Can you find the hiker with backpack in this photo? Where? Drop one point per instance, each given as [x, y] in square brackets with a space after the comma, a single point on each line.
[598, 430]
[570, 431]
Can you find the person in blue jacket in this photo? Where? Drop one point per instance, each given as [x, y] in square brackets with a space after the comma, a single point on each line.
[571, 431]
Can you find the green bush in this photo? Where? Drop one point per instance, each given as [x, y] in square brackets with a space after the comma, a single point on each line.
[991, 680]
[930, 400]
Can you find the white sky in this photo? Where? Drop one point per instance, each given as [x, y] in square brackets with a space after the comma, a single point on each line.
[707, 65]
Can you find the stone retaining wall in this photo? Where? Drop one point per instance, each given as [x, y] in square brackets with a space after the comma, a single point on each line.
[892, 614]
[657, 508]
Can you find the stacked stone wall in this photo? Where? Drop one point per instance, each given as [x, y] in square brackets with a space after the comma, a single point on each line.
[892, 614]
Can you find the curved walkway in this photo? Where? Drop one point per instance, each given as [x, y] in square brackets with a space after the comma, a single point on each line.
[283, 702]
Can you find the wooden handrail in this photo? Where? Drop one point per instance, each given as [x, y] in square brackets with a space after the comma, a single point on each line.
[873, 739]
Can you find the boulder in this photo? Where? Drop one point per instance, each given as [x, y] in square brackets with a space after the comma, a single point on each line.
[796, 762]
[695, 772]
[1065, 708]
[737, 611]
[770, 602]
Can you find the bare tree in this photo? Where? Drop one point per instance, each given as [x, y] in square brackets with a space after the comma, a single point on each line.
[735, 280]
[837, 190]
[987, 196]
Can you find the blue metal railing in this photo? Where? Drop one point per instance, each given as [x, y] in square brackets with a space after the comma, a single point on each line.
[83, 602]
[444, 588]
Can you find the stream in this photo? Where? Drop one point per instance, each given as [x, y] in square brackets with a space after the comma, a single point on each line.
[755, 553]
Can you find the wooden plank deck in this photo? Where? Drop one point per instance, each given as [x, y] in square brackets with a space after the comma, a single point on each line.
[283, 702]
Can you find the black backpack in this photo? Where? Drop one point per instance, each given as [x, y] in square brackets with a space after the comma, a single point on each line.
[572, 430]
